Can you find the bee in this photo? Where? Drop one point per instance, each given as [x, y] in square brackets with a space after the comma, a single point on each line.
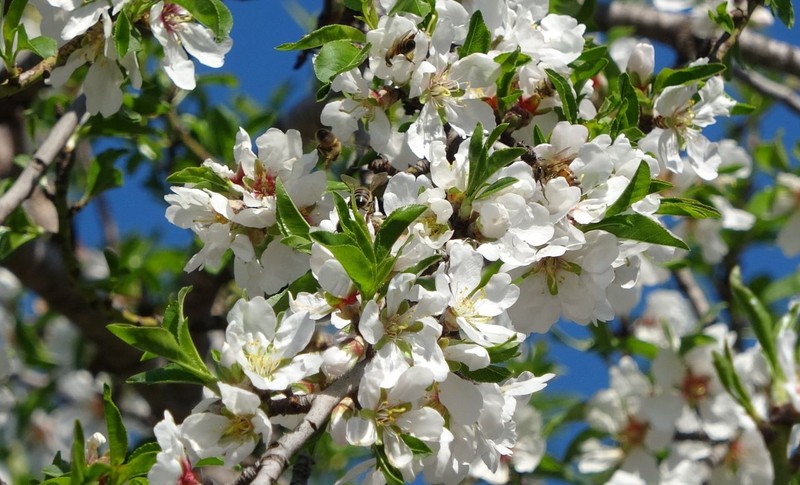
[545, 170]
[328, 146]
[364, 196]
[403, 46]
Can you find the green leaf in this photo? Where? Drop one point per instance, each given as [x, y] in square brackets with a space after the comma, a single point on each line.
[390, 473]
[417, 7]
[591, 61]
[78, 457]
[478, 39]
[12, 18]
[492, 374]
[156, 340]
[138, 465]
[102, 174]
[16, 231]
[323, 35]
[42, 46]
[416, 445]
[742, 109]
[394, 226]
[675, 77]
[722, 18]
[337, 57]
[568, 101]
[180, 329]
[169, 374]
[731, 382]
[497, 160]
[211, 13]
[495, 187]
[784, 10]
[503, 352]
[759, 318]
[117, 435]
[676, 206]
[637, 189]
[200, 178]
[122, 34]
[290, 221]
[688, 342]
[657, 185]
[785, 287]
[640, 347]
[637, 227]
[629, 110]
[352, 258]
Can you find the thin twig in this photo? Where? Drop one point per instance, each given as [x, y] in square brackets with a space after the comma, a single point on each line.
[272, 464]
[186, 138]
[768, 87]
[43, 158]
[691, 288]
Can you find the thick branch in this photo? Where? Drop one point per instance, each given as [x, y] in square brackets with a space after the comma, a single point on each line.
[768, 87]
[278, 455]
[44, 156]
[674, 29]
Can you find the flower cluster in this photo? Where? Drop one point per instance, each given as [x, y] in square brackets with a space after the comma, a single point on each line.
[491, 211]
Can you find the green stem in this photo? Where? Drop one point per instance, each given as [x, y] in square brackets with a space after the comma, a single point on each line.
[777, 440]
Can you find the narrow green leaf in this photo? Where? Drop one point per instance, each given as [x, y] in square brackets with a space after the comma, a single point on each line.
[657, 185]
[394, 226]
[676, 77]
[637, 189]
[211, 13]
[290, 221]
[785, 287]
[495, 187]
[337, 57]
[491, 374]
[78, 457]
[759, 318]
[323, 35]
[391, 474]
[742, 109]
[640, 347]
[476, 155]
[478, 39]
[688, 342]
[637, 227]
[568, 101]
[169, 374]
[117, 434]
[731, 382]
[416, 445]
[630, 102]
[676, 206]
[13, 17]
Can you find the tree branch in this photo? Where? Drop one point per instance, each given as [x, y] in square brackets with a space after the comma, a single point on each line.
[768, 87]
[272, 464]
[688, 284]
[44, 156]
[675, 30]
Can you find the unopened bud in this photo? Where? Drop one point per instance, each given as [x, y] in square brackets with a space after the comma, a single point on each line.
[336, 361]
[641, 64]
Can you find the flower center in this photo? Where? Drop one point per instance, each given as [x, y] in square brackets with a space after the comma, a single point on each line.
[173, 15]
[695, 388]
